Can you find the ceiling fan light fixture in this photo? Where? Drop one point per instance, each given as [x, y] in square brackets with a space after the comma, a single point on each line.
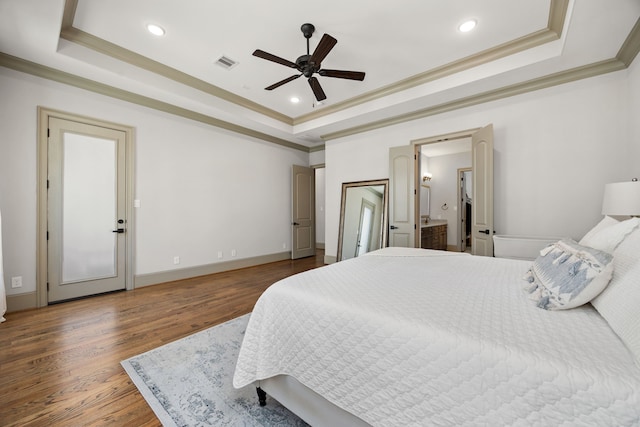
[294, 99]
[156, 30]
[467, 25]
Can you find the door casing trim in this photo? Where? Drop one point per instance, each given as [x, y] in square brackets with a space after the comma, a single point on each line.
[42, 201]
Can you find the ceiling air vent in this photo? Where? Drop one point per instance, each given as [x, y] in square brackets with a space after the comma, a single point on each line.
[226, 62]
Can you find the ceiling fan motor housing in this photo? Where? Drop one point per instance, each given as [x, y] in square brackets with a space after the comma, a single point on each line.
[305, 67]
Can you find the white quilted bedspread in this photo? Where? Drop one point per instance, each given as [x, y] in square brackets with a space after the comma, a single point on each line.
[418, 337]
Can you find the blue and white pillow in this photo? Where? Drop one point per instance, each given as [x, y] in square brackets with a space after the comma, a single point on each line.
[567, 275]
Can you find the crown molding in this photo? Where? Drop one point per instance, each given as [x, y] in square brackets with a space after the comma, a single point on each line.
[625, 56]
[558, 10]
[97, 44]
[631, 46]
[559, 78]
[53, 74]
[557, 15]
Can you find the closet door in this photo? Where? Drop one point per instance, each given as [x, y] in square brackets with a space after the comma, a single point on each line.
[402, 225]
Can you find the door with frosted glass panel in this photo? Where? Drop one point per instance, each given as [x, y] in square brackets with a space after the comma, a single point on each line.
[86, 218]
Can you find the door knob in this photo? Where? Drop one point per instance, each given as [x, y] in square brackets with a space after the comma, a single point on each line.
[485, 231]
[295, 223]
[393, 227]
[118, 230]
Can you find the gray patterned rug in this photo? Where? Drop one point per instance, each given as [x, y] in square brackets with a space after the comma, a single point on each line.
[189, 382]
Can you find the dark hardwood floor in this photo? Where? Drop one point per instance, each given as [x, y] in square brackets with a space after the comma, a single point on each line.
[60, 365]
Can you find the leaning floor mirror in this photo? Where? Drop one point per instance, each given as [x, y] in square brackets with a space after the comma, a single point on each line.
[363, 218]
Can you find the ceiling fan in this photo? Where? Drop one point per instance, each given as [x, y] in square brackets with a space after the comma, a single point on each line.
[310, 64]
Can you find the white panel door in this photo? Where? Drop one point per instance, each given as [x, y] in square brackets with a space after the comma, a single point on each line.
[86, 210]
[303, 227]
[482, 212]
[402, 225]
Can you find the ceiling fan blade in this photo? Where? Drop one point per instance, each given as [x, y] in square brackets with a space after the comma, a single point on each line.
[317, 89]
[280, 83]
[341, 74]
[269, 57]
[322, 50]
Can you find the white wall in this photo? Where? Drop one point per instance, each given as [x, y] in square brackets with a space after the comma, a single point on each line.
[202, 189]
[554, 151]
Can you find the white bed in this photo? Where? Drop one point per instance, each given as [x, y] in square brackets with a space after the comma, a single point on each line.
[419, 337]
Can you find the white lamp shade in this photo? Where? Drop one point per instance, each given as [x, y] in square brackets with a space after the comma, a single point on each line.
[621, 198]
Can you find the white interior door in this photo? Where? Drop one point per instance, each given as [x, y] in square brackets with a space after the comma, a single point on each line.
[402, 225]
[303, 227]
[482, 212]
[86, 210]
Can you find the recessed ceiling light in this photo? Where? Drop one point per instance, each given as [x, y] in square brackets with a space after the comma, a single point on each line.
[467, 26]
[295, 99]
[156, 30]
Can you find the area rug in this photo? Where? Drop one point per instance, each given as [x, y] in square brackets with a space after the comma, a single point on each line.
[189, 382]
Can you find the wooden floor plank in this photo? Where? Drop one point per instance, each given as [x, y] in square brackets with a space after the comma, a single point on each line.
[60, 365]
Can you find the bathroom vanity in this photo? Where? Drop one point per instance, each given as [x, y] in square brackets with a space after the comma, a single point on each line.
[433, 234]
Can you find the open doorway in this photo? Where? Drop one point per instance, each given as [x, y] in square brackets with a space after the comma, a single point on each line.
[482, 228]
[405, 178]
[442, 209]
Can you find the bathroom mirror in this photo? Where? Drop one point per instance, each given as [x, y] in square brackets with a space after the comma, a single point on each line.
[425, 202]
[363, 218]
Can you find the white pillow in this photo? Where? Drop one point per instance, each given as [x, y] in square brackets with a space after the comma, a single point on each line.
[608, 238]
[567, 275]
[619, 303]
[606, 222]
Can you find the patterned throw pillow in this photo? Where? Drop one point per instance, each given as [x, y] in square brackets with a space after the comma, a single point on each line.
[567, 275]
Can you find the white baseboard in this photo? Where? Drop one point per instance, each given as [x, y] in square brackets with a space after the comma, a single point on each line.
[202, 270]
[21, 302]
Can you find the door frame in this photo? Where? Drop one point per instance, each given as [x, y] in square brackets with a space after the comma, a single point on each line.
[430, 140]
[42, 197]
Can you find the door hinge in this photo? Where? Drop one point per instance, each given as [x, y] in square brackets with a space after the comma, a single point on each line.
[47, 235]
[415, 191]
[415, 227]
[47, 184]
[47, 286]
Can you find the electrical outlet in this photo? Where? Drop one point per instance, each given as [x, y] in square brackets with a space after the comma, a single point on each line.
[233, 252]
[16, 282]
[219, 254]
[176, 260]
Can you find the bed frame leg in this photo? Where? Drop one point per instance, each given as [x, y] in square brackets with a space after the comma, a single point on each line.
[262, 396]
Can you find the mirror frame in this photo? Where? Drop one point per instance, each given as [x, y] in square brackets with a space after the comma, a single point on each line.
[384, 226]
